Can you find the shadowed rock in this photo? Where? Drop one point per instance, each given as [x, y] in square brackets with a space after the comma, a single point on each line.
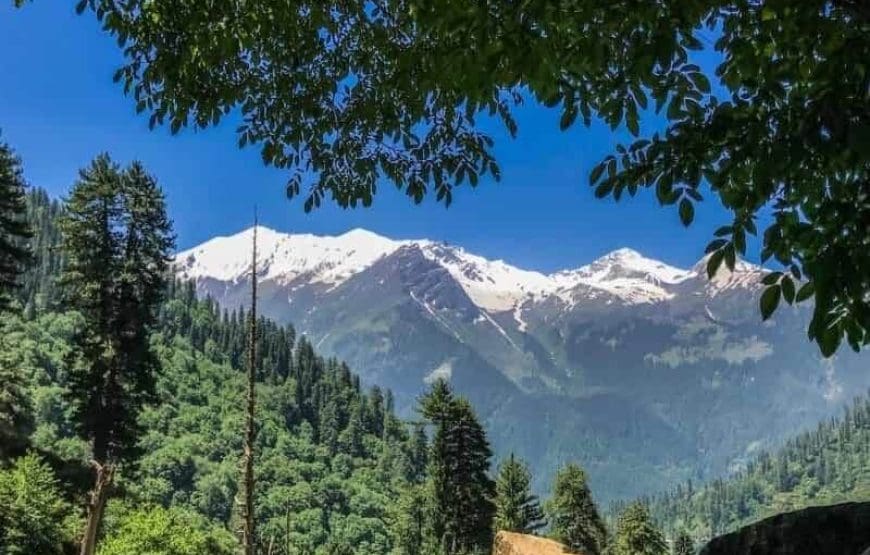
[833, 530]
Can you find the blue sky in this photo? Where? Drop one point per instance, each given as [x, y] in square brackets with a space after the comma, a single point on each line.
[59, 108]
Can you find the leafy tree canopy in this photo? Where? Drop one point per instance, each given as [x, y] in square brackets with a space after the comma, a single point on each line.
[169, 531]
[344, 92]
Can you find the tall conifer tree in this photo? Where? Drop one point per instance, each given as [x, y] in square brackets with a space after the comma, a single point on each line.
[461, 488]
[636, 534]
[516, 509]
[14, 229]
[15, 418]
[573, 515]
[117, 239]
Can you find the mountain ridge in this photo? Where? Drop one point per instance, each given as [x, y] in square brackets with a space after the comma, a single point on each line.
[494, 285]
[608, 364]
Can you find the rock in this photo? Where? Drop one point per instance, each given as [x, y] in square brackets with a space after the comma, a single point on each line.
[510, 543]
[834, 530]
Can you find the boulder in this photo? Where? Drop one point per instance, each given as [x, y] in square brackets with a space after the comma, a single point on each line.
[833, 530]
[510, 543]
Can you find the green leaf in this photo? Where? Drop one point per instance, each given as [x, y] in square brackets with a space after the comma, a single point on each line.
[730, 256]
[675, 109]
[830, 340]
[771, 278]
[604, 189]
[701, 82]
[787, 289]
[805, 292]
[596, 173]
[770, 300]
[715, 245]
[714, 263]
[568, 117]
[687, 211]
[632, 123]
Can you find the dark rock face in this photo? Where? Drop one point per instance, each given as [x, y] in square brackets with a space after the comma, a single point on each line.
[833, 530]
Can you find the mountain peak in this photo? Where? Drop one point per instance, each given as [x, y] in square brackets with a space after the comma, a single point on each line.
[362, 234]
[493, 285]
[623, 253]
[626, 263]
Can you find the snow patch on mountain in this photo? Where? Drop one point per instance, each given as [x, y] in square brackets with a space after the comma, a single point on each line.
[624, 275]
[444, 371]
[325, 259]
[491, 284]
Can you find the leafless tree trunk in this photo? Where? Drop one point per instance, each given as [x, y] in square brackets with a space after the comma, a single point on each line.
[248, 531]
[96, 506]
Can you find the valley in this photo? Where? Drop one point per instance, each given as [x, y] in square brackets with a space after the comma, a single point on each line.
[646, 373]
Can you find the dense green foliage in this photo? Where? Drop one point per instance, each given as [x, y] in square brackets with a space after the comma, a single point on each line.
[14, 254]
[636, 534]
[331, 458]
[117, 239]
[337, 471]
[823, 466]
[16, 421]
[573, 515]
[40, 290]
[345, 92]
[462, 491]
[516, 509]
[14, 228]
[34, 517]
[167, 532]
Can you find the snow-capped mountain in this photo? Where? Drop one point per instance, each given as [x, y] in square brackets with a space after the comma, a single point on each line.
[645, 372]
[494, 286]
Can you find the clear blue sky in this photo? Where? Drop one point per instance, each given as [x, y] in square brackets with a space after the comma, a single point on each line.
[59, 108]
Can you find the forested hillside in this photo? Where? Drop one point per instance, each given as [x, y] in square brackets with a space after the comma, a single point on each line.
[830, 464]
[332, 458]
[335, 470]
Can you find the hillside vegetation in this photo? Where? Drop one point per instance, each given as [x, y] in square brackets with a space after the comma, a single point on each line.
[830, 464]
[336, 470]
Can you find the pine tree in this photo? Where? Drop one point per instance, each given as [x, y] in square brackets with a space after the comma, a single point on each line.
[636, 534]
[39, 288]
[16, 418]
[683, 544]
[35, 517]
[574, 518]
[14, 229]
[461, 489]
[516, 509]
[419, 454]
[410, 528]
[117, 239]
[14, 403]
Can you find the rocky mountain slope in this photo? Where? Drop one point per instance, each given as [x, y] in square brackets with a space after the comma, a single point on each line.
[646, 373]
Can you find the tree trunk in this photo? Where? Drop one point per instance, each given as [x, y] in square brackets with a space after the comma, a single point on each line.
[249, 532]
[96, 506]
